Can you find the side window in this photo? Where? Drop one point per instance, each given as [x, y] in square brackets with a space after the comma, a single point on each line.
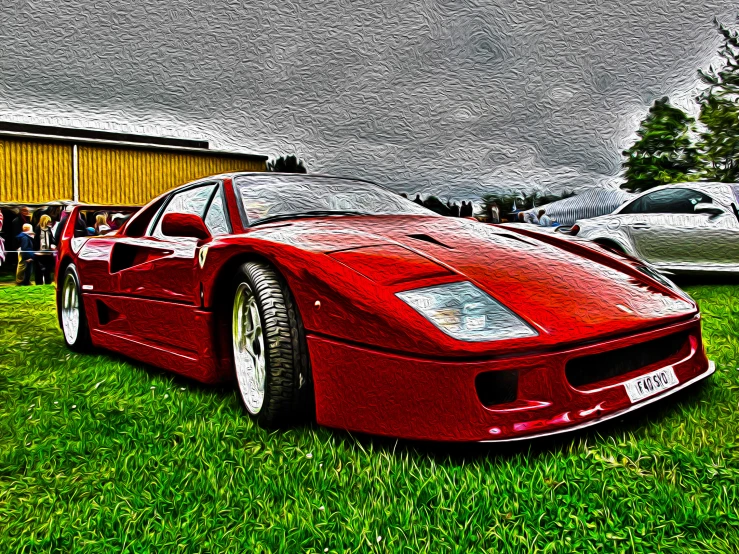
[190, 201]
[672, 201]
[633, 208]
[215, 219]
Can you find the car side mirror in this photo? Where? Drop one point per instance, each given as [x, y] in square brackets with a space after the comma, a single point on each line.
[708, 208]
[184, 225]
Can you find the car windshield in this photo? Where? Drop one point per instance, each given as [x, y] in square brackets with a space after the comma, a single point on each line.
[272, 197]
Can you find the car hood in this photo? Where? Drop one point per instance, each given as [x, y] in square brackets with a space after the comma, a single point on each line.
[567, 291]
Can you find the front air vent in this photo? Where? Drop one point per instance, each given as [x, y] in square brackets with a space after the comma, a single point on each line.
[497, 387]
[432, 240]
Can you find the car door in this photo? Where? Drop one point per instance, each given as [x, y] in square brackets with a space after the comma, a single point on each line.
[666, 231]
[158, 273]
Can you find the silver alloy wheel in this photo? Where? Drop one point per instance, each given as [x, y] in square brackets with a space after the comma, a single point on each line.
[70, 309]
[248, 345]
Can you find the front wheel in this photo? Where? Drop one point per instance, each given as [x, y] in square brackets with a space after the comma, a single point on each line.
[269, 348]
[74, 322]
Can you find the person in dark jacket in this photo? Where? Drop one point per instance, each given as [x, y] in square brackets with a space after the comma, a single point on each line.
[43, 243]
[25, 256]
[16, 226]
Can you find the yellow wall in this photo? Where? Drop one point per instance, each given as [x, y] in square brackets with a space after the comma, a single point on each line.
[34, 171]
[133, 176]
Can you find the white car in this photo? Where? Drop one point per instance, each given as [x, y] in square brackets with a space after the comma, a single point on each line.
[679, 228]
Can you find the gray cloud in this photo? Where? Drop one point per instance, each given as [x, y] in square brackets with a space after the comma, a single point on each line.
[454, 97]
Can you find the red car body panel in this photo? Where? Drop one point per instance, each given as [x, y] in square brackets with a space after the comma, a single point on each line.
[378, 365]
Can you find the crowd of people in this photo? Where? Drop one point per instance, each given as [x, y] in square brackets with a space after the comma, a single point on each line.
[33, 237]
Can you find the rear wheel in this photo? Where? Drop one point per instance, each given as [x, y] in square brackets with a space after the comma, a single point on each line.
[74, 322]
[269, 349]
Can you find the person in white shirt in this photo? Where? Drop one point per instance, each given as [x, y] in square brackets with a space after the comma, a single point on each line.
[544, 219]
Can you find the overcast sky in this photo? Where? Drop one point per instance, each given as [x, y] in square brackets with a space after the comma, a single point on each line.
[451, 97]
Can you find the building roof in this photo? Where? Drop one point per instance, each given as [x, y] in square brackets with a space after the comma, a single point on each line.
[49, 133]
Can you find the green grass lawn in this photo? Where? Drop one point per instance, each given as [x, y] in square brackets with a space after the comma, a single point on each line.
[100, 454]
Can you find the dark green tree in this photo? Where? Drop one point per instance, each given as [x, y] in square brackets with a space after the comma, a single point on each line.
[287, 164]
[719, 116]
[436, 205]
[664, 152]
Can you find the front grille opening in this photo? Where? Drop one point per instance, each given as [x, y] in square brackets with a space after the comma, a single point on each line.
[588, 370]
[497, 387]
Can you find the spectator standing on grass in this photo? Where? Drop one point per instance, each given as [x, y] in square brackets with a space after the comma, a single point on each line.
[25, 255]
[16, 226]
[43, 243]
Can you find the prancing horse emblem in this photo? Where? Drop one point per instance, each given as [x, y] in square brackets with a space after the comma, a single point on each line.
[201, 256]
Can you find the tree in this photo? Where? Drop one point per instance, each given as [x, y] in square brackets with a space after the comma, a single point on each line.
[664, 152]
[719, 140]
[287, 164]
[436, 205]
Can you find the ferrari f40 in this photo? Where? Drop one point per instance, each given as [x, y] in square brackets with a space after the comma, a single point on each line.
[338, 299]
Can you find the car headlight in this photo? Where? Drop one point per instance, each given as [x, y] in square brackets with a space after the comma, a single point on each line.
[466, 313]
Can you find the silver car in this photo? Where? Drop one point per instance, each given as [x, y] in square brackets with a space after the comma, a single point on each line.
[680, 228]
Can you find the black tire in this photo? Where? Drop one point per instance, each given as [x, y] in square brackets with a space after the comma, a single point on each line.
[288, 390]
[79, 342]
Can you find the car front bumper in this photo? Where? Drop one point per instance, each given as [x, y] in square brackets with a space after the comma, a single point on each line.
[366, 390]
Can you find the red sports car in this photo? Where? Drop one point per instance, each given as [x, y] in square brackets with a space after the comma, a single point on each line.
[339, 298]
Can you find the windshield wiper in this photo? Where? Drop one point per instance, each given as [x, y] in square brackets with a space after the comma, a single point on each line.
[309, 213]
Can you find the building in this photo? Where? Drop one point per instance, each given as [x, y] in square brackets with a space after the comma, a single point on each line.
[40, 163]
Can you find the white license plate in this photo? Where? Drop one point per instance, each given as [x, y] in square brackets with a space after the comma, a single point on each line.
[651, 384]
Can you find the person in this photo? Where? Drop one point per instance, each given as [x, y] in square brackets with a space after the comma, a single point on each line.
[418, 200]
[43, 259]
[454, 208]
[2, 241]
[468, 210]
[101, 224]
[25, 255]
[531, 218]
[16, 226]
[494, 213]
[116, 221]
[521, 217]
[544, 219]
